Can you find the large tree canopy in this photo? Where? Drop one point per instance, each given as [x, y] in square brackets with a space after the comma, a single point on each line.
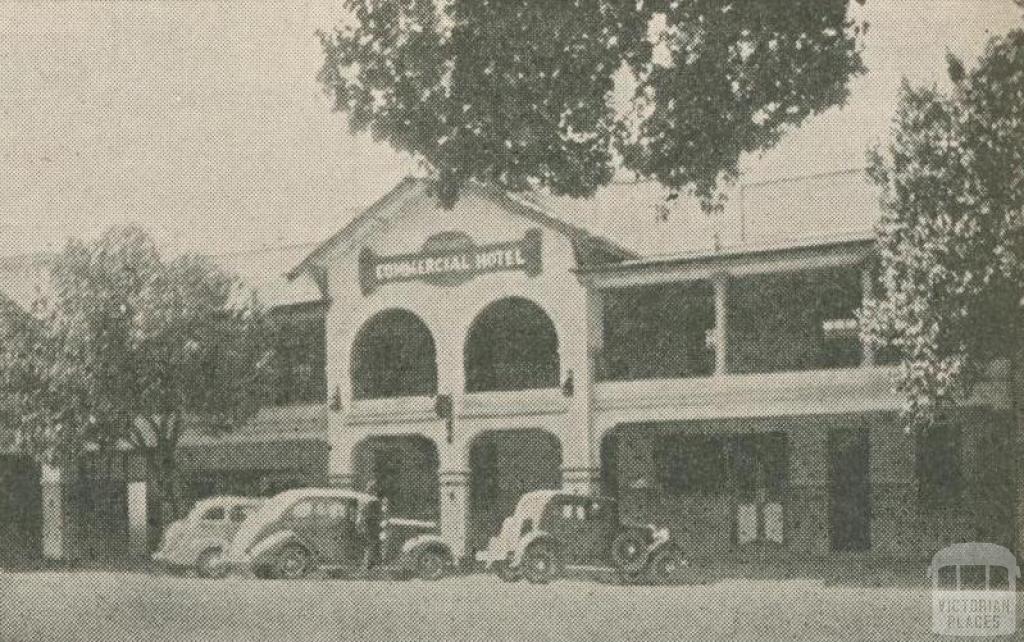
[952, 234]
[127, 347]
[522, 93]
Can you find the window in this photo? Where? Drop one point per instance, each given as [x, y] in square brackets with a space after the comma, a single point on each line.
[215, 514]
[938, 465]
[692, 465]
[302, 510]
[239, 513]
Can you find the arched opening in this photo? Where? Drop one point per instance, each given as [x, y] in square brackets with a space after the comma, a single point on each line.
[503, 466]
[512, 345]
[403, 470]
[393, 356]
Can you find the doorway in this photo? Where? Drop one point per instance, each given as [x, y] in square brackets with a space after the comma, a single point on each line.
[850, 489]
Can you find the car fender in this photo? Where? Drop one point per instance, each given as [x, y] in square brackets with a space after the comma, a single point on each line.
[660, 545]
[412, 546]
[198, 546]
[273, 543]
[526, 542]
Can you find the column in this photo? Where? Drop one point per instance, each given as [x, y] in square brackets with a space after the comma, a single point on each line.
[454, 510]
[55, 526]
[581, 480]
[341, 471]
[867, 350]
[721, 283]
[138, 524]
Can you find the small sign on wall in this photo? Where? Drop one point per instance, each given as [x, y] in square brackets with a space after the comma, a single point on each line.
[450, 258]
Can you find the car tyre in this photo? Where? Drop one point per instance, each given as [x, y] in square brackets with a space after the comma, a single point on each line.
[666, 566]
[508, 573]
[431, 564]
[292, 563]
[629, 553]
[209, 564]
[541, 563]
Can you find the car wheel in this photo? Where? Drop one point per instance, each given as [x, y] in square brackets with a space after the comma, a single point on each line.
[541, 563]
[666, 566]
[508, 573]
[209, 564]
[292, 563]
[430, 564]
[629, 552]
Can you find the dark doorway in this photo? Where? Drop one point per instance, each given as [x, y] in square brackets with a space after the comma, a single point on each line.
[404, 471]
[21, 513]
[504, 465]
[850, 489]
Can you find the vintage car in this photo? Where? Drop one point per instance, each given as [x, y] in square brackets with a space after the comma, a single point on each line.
[551, 532]
[200, 539]
[344, 532]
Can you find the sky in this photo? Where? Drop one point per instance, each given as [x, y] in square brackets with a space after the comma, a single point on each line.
[204, 120]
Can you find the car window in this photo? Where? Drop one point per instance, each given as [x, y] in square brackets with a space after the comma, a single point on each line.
[567, 511]
[239, 513]
[339, 510]
[215, 514]
[581, 512]
[302, 510]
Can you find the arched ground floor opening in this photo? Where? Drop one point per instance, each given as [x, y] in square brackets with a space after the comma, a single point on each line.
[21, 510]
[401, 469]
[503, 466]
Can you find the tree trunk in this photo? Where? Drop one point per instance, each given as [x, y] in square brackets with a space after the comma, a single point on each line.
[163, 474]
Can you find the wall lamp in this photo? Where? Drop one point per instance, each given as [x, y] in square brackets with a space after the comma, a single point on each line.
[335, 404]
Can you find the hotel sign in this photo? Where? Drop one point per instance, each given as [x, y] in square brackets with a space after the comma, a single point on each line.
[450, 258]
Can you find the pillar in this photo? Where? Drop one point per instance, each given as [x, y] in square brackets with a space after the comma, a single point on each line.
[721, 284]
[867, 293]
[138, 520]
[454, 498]
[582, 480]
[56, 539]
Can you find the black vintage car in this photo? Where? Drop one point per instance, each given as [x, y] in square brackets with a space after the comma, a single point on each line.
[553, 531]
[341, 531]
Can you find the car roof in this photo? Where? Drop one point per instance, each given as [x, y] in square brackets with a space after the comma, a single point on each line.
[228, 500]
[301, 493]
[545, 496]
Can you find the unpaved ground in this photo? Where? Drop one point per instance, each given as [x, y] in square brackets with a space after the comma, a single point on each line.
[93, 605]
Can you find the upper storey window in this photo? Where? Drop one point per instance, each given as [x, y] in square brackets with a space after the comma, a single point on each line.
[393, 356]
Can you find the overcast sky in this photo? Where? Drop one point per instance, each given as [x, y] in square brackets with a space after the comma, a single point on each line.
[204, 120]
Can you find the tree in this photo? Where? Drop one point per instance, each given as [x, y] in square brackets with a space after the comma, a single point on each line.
[132, 349]
[521, 93]
[952, 237]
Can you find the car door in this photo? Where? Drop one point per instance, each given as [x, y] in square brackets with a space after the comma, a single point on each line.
[348, 542]
[212, 522]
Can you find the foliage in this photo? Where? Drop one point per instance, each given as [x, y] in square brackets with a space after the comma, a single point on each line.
[131, 348]
[952, 234]
[522, 93]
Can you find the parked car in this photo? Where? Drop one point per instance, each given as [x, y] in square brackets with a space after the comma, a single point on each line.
[553, 531]
[307, 529]
[200, 540]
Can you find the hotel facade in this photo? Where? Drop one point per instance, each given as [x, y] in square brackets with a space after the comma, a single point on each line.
[457, 358]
